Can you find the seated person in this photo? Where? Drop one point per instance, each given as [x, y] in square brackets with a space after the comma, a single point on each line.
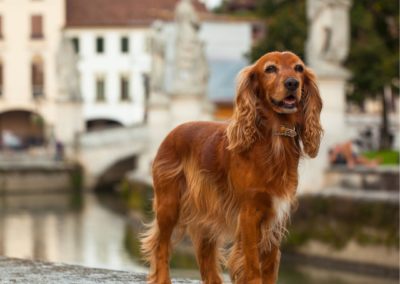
[349, 153]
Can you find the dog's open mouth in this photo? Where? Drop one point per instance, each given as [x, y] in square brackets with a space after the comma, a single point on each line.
[288, 103]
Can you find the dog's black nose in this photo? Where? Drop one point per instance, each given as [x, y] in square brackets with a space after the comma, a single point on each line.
[291, 84]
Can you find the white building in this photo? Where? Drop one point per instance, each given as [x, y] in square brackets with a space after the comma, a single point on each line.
[112, 40]
[114, 64]
[227, 44]
[30, 34]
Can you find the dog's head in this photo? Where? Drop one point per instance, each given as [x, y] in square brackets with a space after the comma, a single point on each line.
[278, 82]
[280, 78]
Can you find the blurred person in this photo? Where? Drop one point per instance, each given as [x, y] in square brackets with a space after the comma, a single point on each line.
[368, 138]
[350, 154]
[11, 141]
[59, 153]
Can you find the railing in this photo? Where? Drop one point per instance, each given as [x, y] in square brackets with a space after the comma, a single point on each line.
[114, 136]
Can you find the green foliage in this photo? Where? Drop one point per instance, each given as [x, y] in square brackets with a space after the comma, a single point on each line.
[387, 157]
[183, 260]
[77, 182]
[286, 27]
[222, 8]
[132, 244]
[76, 178]
[336, 221]
[137, 197]
[374, 53]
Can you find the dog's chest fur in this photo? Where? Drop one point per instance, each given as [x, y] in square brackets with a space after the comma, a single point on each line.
[274, 229]
[281, 209]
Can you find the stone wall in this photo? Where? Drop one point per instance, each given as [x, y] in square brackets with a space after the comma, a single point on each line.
[20, 271]
[349, 228]
[43, 178]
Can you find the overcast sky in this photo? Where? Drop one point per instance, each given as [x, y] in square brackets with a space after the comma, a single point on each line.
[212, 3]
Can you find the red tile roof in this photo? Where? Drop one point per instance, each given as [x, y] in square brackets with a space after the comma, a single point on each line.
[237, 5]
[112, 13]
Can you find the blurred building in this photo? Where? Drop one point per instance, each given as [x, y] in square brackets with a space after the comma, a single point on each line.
[112, 39]
[29, 39]
[226, 56]
[240, 5]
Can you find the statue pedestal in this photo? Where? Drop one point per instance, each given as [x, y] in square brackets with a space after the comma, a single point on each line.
[332, 91]
[187, 108]
[208, 109]
[158, 127]
[68, 123]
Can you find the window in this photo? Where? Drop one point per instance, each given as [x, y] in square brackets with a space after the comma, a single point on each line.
[1, 79]
[75, 43]
[1, 27]
[100, 89]
[37, 78]
[124, 87]
[124, 44]
[100, 45]
[36, 27]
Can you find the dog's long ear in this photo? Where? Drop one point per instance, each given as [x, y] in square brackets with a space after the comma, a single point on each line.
[311, 130]
[242, 131]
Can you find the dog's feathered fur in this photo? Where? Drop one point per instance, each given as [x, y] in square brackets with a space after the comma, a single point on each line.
[235, 181]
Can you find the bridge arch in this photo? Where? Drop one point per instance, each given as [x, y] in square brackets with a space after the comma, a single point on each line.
[115, 173]
[101, 151]
[102, 124]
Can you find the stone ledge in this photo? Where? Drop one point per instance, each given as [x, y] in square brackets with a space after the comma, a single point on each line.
[13, 270]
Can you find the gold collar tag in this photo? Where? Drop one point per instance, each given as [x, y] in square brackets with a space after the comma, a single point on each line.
[284, 131]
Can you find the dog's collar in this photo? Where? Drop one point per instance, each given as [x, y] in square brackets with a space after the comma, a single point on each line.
[285, 131]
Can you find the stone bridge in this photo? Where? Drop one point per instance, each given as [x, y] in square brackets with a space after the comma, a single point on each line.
[109, 154]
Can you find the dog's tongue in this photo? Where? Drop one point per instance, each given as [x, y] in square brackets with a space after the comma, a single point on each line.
[289, 100]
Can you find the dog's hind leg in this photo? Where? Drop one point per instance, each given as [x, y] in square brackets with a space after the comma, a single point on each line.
[156, 243]
[207, 256]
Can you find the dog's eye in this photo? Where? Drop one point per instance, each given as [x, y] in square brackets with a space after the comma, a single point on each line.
[298, 68]
[271, 69]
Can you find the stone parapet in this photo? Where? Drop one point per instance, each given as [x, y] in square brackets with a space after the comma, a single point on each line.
[21, 271]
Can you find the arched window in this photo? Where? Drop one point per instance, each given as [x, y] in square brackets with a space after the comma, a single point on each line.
[37, 77]
[21, 129]
[37, 27]
[125, 88]
[100, 88]
[1, 79]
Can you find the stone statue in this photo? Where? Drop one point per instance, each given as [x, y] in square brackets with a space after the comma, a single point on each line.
[157, 75]
[186, 17]
[67, 71]
[329, 35]
[191, 68]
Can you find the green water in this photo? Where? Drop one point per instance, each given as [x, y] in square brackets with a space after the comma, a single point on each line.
[94, 231]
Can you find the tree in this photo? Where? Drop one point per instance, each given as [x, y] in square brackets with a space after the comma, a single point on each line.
[374, 54]
[286, 27]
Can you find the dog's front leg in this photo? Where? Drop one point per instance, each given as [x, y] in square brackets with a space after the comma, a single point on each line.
[270, 265]
[250, 219]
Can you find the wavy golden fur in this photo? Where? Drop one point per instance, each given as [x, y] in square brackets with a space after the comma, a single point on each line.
[234, 182]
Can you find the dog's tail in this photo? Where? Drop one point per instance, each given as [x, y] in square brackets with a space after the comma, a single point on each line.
[149, 240]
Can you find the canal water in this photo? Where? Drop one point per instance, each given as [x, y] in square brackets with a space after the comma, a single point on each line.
[92, 230]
